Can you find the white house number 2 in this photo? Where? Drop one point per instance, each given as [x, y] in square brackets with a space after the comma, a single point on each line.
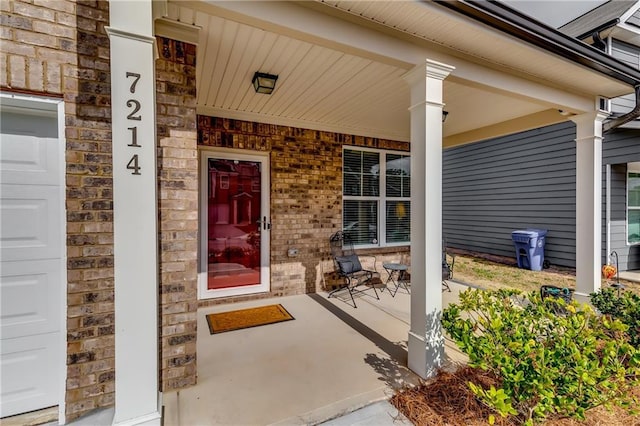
[134, 115]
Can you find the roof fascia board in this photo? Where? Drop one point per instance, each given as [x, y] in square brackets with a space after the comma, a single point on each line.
[630, 12]
[507, 84]
[332, 32]
[627, 33]
[600, 29]
[176, 30]
[516, 24]
[628, 27]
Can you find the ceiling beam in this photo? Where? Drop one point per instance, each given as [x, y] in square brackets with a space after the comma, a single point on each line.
[520, 124]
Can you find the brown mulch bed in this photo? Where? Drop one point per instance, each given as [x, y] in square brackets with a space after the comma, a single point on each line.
[448, 401]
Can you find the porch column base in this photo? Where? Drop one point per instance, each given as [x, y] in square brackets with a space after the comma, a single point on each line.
[425, 356]
[151, 419]
[582, 297]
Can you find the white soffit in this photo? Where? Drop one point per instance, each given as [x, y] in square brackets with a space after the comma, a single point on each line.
[317, 87]
[332, 87]
[439, 26]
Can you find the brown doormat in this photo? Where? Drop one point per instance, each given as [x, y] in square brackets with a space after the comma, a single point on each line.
[245, 318]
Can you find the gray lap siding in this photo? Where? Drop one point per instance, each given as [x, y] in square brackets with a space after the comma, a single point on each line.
[528, 180]
[525, 180]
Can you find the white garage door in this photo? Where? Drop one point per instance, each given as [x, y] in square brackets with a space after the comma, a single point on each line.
[32, 257]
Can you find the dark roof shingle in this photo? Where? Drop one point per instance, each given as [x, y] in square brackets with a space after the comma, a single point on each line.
[594, 18]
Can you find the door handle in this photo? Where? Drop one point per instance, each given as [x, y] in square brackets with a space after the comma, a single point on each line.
[264, 223]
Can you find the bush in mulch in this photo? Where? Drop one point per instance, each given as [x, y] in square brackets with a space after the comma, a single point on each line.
[448, 401]
[531, 361]
[554, 359]
[624, 306]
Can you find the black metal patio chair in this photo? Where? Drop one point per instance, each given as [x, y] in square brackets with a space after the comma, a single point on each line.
[349, 267]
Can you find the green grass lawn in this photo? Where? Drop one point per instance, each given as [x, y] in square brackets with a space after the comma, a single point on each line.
[494, 275]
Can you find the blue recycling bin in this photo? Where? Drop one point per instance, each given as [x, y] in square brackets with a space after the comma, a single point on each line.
[529, 244]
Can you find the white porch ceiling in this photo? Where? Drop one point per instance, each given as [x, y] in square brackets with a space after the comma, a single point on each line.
[322, 86]
[316, 85]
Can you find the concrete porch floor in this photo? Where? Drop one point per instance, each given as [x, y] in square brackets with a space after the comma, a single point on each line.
[331, 360]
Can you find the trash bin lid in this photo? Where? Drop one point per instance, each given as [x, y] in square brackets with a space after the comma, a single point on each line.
[529, 232]
[540, 232]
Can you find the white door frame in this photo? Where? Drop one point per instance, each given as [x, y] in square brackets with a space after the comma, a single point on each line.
[37, 105]
[265, 243]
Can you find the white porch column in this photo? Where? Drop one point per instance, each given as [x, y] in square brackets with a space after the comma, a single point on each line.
[426, 345]
[588, 202]
[134, 212]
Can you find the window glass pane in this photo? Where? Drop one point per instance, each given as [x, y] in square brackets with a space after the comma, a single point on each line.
[360, 220]
[370, 162]
[360, 170]
[398, 175]
[634, 226]
[394, 186]
[406, 186]
[361, 178]
[370, 185]
[370, 170]
[352, 161]
[634, 189]
[351, 184]
[398, 221]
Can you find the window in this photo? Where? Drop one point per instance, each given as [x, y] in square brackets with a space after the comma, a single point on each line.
[376, 197]
[633, 207]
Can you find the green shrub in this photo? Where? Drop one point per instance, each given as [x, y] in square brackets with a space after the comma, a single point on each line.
[548, 364]
[625, 307]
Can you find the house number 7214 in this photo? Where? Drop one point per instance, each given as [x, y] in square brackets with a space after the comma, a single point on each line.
[134, 115]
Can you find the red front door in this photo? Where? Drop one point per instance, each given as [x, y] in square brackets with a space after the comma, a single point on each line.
[236, 225]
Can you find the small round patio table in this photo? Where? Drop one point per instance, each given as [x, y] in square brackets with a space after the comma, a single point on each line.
[398, 276]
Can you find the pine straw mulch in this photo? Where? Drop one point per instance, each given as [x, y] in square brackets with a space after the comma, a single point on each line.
[448, 401]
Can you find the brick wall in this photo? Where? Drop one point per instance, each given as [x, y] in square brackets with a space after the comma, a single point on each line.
[60, 48]
[90, 333]
[306, 196]
[178, 211]
[38, 45]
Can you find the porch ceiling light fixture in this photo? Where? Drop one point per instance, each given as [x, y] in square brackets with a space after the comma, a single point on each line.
[445, 114]
[263, 82]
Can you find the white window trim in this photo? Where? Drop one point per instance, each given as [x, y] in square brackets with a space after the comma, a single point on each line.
[382, 200]
[631, 168]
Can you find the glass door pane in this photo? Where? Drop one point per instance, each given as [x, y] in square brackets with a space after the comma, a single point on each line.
[234, 223]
